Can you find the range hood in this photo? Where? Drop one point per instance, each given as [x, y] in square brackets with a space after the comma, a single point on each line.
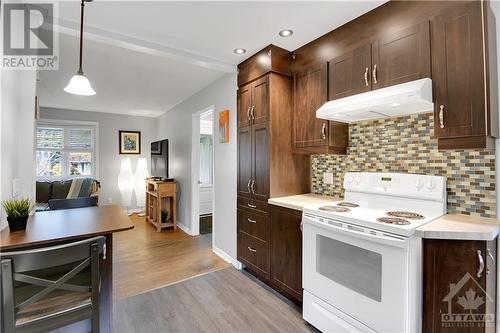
[398, 100]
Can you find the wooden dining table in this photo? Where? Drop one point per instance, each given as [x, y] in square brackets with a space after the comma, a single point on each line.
[57, 227]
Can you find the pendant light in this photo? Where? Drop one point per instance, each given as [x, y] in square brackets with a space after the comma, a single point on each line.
[79, 84]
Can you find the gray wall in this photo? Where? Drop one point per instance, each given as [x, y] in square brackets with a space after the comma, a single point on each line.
[176, 126]
[109, 157]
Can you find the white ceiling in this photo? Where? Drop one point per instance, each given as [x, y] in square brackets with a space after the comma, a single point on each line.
[145, 57]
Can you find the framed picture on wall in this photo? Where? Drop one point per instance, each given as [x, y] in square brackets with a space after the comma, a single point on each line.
[224, 126]
[129, 142]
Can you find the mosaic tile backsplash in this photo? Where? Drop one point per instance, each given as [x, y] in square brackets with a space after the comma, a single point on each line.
[407, 144]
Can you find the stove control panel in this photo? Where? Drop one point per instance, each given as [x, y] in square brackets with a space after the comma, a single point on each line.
[397, 184]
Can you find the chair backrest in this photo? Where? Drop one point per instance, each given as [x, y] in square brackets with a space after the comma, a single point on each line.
[55, 204]
[18, 267]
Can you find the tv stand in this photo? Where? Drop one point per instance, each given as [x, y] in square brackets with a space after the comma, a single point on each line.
[159, 195]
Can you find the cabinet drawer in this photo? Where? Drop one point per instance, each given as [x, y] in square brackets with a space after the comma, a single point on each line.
[254, 253]
[256, 206]
[256, 225]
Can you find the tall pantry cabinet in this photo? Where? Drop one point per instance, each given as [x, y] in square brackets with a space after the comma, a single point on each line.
[267, 167]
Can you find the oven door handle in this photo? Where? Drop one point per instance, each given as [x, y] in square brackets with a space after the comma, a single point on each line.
[358, 232]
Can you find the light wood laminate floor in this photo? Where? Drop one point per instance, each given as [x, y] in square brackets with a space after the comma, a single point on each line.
[223, 301]
[144, 259]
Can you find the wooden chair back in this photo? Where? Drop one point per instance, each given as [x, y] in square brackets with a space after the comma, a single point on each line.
[25, 267]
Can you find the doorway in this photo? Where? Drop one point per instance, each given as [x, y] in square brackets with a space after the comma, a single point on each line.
[202, 173]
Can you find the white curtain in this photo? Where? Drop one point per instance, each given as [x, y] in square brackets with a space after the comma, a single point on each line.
[206, 148]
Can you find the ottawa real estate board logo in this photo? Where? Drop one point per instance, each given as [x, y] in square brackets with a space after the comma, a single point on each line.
[467, 305]
[30, 39]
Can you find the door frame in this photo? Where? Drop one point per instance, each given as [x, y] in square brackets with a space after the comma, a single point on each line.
[195, 171]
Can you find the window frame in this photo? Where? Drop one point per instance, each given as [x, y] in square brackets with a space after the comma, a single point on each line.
[66, 125]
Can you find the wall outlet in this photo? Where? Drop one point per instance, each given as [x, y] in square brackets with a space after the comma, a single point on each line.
[328, 178]
[110, 201]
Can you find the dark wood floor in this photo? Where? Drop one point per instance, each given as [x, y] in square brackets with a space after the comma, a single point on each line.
[223, 301]
[144, 259]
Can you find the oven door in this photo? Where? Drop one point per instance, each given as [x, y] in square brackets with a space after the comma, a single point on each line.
[361, 272]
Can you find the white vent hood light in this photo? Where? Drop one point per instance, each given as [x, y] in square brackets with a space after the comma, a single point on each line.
[398, 100]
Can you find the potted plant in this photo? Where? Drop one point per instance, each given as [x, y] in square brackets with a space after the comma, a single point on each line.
[18, 211]
[165, 215]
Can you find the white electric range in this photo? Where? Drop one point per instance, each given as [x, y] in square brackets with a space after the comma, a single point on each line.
[361, 260]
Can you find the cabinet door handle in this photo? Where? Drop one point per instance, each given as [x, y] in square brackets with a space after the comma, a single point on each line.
[251, 249]
[251, 221]
[481, 264]
[253, 186]
[248, 186]
[251, 206]
[248, 112]
[441, 116]
[488, 251]
[252, 113]
[301, 225]
[323, 131]
[375, 74]
[366, 76]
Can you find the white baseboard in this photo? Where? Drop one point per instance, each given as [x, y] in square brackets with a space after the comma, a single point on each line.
[227, 257]
[184, 228]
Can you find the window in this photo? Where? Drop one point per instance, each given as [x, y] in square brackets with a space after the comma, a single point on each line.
[206, 163]
[65, 150]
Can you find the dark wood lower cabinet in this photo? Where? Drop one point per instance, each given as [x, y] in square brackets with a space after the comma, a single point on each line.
[270, 246]
[459, 286]
[286, 251]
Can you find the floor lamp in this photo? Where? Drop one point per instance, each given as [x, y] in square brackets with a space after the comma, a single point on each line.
[141, 173]
[126, 183]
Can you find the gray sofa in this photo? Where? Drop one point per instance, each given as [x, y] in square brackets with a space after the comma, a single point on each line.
[70, 193]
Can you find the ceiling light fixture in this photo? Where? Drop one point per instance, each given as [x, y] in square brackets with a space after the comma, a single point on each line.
[286, 33]
[79, 84]
[239, 51]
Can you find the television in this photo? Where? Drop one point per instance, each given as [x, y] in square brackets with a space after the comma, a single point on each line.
[159, 159]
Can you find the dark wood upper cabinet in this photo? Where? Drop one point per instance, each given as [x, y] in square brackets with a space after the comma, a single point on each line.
[270, 59]
[401, 57]
[466, 266]
[350, 73]
[312, 135]
[260, 100]
[310, 92]
[461, 115]
[286, 251]
[244, 161]
[244, 105]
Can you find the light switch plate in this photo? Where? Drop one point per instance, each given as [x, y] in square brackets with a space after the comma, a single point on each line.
[328, 178]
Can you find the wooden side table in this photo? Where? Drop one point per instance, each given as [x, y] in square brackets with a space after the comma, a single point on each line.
[161, 194]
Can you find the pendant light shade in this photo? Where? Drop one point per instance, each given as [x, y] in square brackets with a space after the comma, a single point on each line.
[79, 84]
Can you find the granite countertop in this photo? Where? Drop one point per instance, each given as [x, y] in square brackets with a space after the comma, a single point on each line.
[298, 201]
[461, 227]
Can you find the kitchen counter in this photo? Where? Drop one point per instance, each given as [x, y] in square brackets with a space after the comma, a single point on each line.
[297, 202]
[461, 227]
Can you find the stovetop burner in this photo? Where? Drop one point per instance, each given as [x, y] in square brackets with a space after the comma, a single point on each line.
[347, 204]
[393, 220]
[335, 209]
[406, 215]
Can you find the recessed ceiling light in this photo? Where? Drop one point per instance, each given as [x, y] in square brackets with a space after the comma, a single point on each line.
[286, 33]
[239, 51]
